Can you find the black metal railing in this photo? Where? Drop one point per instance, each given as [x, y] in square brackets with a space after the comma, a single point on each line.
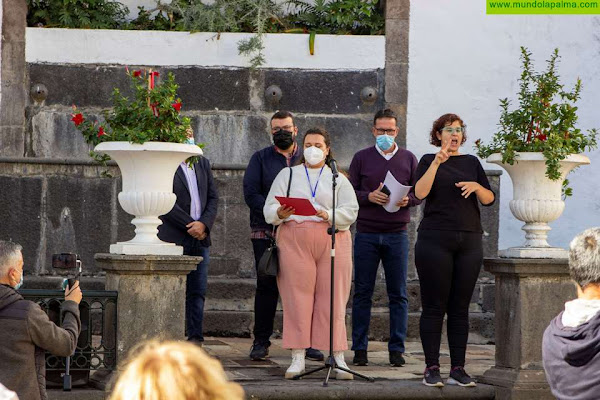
[96, 346]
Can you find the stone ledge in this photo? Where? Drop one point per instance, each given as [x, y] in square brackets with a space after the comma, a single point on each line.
[146, 264]
[527, 266]
[379, 390]
[240, 323]
[312, 389]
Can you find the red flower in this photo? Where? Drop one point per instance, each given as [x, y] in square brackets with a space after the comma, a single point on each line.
[137, 73]
[541, 137]
[177, 106]
[155, 73]
[77, 119]
[101, 132]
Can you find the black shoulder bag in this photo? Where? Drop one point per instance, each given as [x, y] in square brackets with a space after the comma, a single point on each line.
[269, 262]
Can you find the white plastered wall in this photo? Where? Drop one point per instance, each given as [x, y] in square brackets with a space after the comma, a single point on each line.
[463, 61]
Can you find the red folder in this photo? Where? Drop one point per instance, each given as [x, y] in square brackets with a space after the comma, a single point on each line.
[302, 206]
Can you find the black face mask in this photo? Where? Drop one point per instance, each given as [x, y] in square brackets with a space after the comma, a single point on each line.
[283, 139]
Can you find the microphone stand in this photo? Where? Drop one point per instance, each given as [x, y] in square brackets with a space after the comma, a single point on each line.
[330, 363]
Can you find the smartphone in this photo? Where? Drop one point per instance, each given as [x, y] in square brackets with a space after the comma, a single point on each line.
[385, 190]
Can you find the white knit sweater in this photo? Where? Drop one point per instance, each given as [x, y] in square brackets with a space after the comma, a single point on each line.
[346, 206]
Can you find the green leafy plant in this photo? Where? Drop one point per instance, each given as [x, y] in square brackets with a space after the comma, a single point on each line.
[358, 17]
[96, 14]
[544, 121]
[153, 114]
[160, 18]
[257, 16]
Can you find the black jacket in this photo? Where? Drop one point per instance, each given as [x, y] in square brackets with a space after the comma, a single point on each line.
[262, 169]
[173, 228]
[572, 359]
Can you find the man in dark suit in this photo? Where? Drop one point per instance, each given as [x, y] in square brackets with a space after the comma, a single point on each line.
[189, 224]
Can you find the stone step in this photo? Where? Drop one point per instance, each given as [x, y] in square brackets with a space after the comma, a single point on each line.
[226, 293]
[239, 324]
[232, 293]
[381, 389]
[235, 294]
[77, 394]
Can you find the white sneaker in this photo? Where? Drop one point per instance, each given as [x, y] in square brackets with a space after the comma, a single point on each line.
[297, 366]
[339, 360]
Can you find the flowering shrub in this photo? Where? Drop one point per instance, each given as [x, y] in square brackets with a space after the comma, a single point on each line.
[544, 121]
[152, 115]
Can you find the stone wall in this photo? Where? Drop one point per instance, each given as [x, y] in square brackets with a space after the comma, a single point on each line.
[54, 200]
[13, 86]
[229, 110]
[53, 207]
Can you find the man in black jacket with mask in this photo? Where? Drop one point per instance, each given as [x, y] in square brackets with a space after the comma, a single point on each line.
[262, 169]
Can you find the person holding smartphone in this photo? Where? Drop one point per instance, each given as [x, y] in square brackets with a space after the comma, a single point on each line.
[26, 331]
[448, 252]
[304, 245]
[381, 236]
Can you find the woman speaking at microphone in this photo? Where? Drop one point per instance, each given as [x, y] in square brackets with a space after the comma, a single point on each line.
[305, 249]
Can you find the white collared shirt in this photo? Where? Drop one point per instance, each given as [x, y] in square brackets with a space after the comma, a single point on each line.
[195, 204]
[388, 156]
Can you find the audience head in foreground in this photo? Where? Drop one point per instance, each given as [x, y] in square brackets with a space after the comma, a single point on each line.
[174, 371]
[571, 344]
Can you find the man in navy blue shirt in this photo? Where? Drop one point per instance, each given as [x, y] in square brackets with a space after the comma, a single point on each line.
[262, 169]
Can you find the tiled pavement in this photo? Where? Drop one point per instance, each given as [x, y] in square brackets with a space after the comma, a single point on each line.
[233, 354]
[264, 379]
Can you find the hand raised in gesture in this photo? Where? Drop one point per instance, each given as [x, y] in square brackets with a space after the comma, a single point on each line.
[442, 156]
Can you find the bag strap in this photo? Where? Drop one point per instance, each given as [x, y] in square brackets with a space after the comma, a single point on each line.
[273, 237]
[289, 183]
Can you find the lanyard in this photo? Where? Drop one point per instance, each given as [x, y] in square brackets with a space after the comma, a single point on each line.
[313, 192]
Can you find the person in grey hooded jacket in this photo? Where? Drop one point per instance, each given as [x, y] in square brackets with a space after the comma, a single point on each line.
[26, 332]
[571, 344]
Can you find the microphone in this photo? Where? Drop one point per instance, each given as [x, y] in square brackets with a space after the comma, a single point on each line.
[334, 167]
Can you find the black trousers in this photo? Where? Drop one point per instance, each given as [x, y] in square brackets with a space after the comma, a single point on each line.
[265, 301]
[448, 264]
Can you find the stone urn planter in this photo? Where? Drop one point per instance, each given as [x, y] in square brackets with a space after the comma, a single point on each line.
[147, 172]
[536, 201]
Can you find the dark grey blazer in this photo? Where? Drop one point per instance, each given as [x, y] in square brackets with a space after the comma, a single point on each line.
[173, 228]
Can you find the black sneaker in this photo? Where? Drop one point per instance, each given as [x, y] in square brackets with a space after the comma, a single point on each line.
[360, 358]
[431, 377]
[459, 377]
[314, 354]
[196, 341]
[259, 351]
[396, 359]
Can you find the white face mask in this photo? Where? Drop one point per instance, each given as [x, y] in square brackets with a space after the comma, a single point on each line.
[313, 155]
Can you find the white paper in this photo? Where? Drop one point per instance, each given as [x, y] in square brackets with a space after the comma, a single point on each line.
[397, 192]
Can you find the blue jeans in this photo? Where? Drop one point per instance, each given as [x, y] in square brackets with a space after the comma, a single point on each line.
[195, 291]
[392, 250]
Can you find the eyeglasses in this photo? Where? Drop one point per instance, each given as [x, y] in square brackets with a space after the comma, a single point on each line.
[285, 128]
[451, 130]
[385, 131]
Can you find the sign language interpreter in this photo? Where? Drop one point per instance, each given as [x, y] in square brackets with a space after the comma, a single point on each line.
[448, 252]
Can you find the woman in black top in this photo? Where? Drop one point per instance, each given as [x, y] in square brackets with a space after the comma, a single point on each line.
[448, 252]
